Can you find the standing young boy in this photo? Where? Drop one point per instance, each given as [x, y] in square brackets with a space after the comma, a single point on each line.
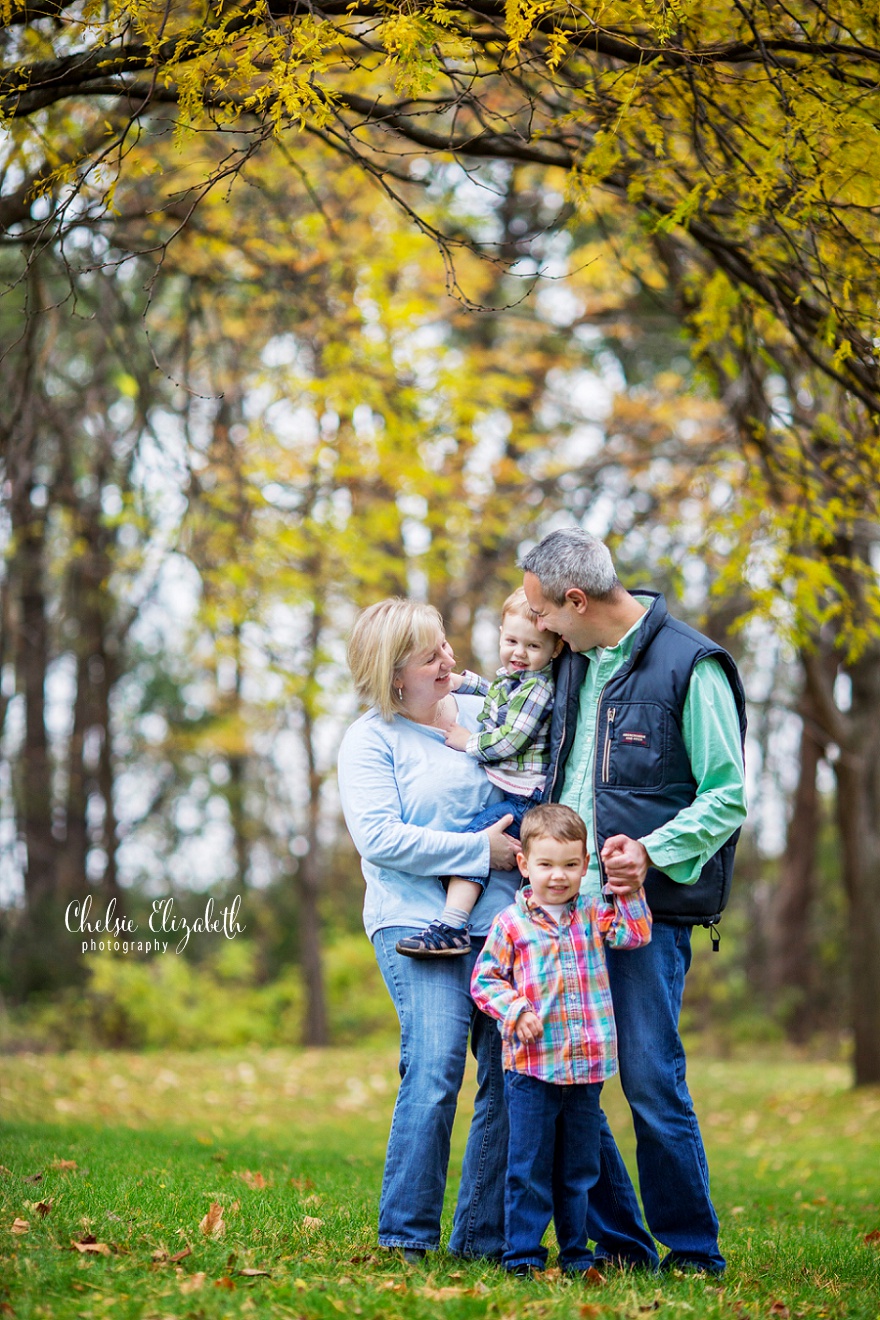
[512, 744]
[542, 974]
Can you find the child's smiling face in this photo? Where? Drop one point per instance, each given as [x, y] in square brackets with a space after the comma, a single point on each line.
[554, 868]
[523, 648]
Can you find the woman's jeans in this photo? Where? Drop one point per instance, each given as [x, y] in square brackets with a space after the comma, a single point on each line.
[437, 1014]
[646, 988]
[553, 1162]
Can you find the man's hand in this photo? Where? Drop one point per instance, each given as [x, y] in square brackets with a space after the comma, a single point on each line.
[529, 1026]
[626, 863]
[457, 737]
[502, 848]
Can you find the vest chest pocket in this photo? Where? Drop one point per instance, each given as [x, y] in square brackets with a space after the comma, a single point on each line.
[632, 741]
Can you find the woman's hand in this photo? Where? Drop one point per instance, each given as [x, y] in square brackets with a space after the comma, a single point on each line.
[502, 848]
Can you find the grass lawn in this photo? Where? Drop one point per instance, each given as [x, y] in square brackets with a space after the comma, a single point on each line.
[111, 1162]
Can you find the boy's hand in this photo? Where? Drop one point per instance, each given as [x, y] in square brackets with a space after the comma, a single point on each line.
[529, 1027]
[458, 737]
[455, 681]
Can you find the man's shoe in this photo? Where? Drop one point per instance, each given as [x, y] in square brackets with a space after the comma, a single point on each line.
[623, 1263]
[684, 1266]
[412, 1255]
[522, 1271]
[436, 941]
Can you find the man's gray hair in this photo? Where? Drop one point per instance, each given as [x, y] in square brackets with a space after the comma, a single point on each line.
[570, 558]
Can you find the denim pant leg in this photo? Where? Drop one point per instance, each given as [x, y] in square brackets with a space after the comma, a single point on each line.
[575, 1171]
[478, 1225]
[436, 1014]
[508, 806]
[647, 986]
[533, 1107]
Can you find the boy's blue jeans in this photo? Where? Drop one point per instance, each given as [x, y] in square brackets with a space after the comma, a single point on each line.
[552, 1162]
[508, 806]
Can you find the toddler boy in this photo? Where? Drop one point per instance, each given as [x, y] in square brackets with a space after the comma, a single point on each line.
[542, 974]
[513, 744]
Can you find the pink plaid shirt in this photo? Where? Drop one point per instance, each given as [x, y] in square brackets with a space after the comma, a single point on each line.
[559, 972]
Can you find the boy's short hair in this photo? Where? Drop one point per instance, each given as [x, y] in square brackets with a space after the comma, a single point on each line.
[551, 820]
[517, 603]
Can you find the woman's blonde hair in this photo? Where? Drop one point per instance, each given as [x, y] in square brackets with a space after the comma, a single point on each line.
[384, 639]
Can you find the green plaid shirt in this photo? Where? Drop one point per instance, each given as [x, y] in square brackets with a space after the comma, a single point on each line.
[515, 719]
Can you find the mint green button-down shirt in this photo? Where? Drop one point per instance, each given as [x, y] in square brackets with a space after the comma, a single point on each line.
[710, 729]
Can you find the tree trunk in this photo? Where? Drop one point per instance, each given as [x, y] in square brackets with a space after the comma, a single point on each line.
[858, 807]
[791, 964]
[315, 1025]
[32, 661]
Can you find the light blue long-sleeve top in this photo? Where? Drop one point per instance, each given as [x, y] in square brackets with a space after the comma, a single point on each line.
[406, 797]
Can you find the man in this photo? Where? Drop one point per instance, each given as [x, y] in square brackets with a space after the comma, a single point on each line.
[646, 745]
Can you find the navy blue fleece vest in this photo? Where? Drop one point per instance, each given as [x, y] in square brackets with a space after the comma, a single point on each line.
[642, 774]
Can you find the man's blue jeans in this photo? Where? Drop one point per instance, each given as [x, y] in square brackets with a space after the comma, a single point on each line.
[647, 986]
[437, 1014]
[553, 1161]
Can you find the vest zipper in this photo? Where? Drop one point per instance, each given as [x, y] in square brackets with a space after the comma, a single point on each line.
[606, 754]
[562, 737]
[603, 876]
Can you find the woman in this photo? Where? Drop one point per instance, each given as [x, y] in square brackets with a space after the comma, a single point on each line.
[407, 797]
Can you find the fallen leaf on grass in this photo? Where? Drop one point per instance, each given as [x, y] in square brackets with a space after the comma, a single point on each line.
[20, 1226]
[255, 1274]
[192, 1282]
[161, 1256]
[43, 1207]
[587, 1311]
[6, 1309]
[873, 1236]
[780, 1309]
[89, 1247]
[255, 1181]
[34, 1178]
[212, 1225]
[303, 1184]
[444, 1294]
[309, 1223]
[63, 1166]
[393, 1285]
[225, 1282]
[6, 1173]
[363, 1260]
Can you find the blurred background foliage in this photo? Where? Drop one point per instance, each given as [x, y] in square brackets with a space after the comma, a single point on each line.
[260, 375]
